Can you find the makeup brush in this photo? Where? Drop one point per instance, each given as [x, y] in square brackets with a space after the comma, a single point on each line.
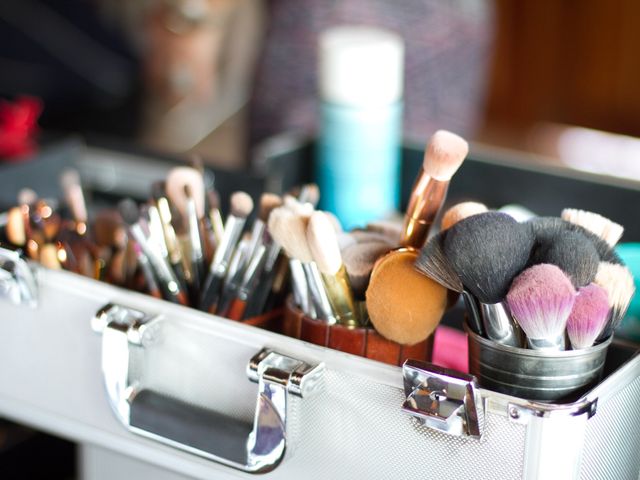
[433, 263]
[617, 281]
[323, 244]
[545, 228]
[487, 251]
[366, 236]
[249, 282]
[171, 240]
[444, 155]
[289, 229]
[49, 256]
[215, 217]
[195, 211]
[15, 228]
[268, 201]
[572, 252]
[460, 211]
[588, 316]
[167, 282]
[391, 229]
[404, 306]
[309, 193]
[147, 272]
[74, 197]
[358, 260]
[604, 228]
[541, 299]
[299, 286]
[241, 207]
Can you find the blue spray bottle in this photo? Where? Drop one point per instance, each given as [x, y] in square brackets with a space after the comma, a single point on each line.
[358, 158]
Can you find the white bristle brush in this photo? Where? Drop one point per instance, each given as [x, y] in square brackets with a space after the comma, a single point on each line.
[606, 229]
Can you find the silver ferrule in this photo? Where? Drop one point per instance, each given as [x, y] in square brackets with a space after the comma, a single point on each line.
[299, 286]
[271, 257]
[194, 231]
[232, 232]
[159, 264]
[156, 231]
[499, 325]
[475, 321]
[257, 236]
[551, 344]
[318, 294]
[252, 272]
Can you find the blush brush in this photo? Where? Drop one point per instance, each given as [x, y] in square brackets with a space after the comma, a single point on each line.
[541, 299]
[588, 316]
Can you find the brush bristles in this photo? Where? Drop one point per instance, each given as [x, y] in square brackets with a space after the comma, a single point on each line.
[268, 201]
[177, 179]
[617, 280]
[588, 316]
[70, 182]
[604, 228]
[572, 252]
[241, 204]
[158, 190]
[459, 212]
[290, 231]
[129, 211]
[487, 251]
[541, 299]
[294, 205]
[359, 260]
[310, 193]
[445, 153]
[433, 263]
[544, 228]
[323, 243]
[26, 196]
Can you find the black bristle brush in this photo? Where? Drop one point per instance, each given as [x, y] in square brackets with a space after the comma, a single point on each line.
[576, 256]
[545, 227]
[487, 251]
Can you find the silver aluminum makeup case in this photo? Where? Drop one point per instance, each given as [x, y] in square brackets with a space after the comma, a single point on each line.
[168, 392]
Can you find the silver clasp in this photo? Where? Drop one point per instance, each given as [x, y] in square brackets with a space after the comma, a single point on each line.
[442, 399]
[17, 280]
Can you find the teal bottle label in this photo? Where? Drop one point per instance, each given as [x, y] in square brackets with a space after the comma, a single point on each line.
[358, 162]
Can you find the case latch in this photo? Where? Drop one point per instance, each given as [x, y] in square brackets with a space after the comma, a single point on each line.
[17, 280]
[442, 399]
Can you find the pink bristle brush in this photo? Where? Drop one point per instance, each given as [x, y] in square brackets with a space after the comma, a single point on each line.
[540, 300]
[588, 317]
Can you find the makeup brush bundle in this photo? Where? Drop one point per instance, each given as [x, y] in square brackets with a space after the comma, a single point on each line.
[545, 284]
[176, 246]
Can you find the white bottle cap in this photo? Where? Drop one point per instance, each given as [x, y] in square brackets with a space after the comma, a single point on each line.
[360, 66]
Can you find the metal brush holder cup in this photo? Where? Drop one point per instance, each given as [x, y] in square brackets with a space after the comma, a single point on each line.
[535, 374]
[361, 341]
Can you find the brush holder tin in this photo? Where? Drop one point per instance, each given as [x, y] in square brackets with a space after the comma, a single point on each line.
[535, 374]
[361, 341]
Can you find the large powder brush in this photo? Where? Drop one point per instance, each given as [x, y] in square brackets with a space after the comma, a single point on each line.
[545, 228]
[604, 228]
[618, 282]
[572, 252]
[487, 251]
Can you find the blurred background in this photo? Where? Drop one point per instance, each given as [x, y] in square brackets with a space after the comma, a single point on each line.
[555, 80]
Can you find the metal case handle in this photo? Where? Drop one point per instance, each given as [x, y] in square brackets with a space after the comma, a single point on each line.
[442, 399]
[255, 448]
[17, 280]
